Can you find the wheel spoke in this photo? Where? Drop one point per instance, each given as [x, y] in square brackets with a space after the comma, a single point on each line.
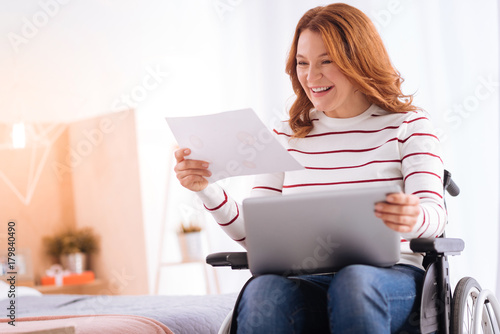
[466, 298]
[469, 316]
[470, 310]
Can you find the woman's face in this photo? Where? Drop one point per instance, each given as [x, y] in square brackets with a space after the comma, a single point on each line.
[326, 86]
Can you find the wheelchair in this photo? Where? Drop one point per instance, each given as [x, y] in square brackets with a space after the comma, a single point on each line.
[469, 309]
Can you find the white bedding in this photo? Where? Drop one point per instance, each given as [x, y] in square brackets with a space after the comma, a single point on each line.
[181, 314]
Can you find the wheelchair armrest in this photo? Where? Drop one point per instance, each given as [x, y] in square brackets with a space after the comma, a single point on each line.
[237, 260]
[439, 246]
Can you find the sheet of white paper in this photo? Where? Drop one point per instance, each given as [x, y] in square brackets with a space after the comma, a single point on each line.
[234, 142]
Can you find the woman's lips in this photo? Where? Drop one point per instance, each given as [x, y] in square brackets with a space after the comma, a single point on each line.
[320, 90]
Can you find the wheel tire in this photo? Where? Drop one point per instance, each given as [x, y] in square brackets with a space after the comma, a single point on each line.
[466, 288]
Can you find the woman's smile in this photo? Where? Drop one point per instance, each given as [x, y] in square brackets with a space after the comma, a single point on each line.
[320, 91]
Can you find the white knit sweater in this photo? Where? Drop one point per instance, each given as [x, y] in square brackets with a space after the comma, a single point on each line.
[376, 147]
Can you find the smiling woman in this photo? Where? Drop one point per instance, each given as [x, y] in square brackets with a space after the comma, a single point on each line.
[348, 133]
[330, 64]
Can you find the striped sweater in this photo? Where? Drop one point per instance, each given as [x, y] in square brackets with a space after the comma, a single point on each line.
[376, 147]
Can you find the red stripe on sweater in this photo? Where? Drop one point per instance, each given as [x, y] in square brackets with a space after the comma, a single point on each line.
[421, 153]
[424, 222]
[340, 132]
[342, 151]
[281, 133]
[427, 191]
[220, 205]
[268, 188]
[434, 202]
[423, 172]
[403, 112]
[392, 127]
[364, 149]
[358, 166]
[439, 220]
[416, 119]
[232, 220]
[337, 183]
[418, 134]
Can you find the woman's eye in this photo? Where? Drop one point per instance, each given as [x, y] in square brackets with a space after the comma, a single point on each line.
[327, 61]
[301, 63]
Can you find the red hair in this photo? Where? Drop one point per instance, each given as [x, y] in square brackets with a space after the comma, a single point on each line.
[355, 46]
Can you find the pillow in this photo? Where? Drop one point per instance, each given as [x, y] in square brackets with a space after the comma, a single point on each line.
[20, 291]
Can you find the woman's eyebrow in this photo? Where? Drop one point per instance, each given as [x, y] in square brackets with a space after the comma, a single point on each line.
[321, 55]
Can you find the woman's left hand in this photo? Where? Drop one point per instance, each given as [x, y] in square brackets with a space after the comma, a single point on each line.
[400, 211]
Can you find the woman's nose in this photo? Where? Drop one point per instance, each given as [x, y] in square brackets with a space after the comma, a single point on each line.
[314, 73]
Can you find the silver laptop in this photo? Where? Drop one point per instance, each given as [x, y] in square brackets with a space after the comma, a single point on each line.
[318, 232]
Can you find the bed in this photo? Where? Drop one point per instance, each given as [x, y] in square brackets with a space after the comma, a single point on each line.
[116, 314]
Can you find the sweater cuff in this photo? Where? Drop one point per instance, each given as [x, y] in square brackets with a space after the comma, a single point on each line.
[212, 196]
[417, 228]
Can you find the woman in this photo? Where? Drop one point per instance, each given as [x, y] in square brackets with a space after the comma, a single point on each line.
[350, 126]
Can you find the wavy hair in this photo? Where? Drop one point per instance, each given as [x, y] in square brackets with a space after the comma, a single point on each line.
[354, 45]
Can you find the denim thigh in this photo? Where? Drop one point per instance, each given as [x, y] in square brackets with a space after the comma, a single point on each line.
[357, 299]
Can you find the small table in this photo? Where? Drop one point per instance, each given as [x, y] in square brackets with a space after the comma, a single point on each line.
[91, 288]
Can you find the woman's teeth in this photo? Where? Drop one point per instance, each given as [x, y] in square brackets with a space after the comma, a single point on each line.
[320, 89]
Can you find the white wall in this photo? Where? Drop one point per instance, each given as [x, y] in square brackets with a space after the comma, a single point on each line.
[195, 57]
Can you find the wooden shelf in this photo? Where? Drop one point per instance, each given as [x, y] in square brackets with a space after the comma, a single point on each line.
[91, 288]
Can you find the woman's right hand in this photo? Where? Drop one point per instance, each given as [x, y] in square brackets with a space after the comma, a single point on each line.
[191, 173]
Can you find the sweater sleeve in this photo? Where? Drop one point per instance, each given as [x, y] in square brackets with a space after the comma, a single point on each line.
[268, 185]
[225, 210]
[228, 213]
[422, 169]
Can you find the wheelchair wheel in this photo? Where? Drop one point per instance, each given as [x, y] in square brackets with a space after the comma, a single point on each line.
[465, 301]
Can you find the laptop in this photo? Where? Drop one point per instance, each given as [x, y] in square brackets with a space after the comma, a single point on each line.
[318, 232]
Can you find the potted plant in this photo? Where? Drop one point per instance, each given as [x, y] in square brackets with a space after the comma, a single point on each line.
[190, 242]
[72, 247]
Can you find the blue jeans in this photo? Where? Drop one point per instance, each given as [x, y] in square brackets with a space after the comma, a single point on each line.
[357, 299]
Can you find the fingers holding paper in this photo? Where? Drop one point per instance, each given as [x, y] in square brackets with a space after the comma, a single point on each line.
[399, 212]
[192, 174]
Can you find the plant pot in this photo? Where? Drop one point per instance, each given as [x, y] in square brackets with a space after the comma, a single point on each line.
[191, 246]
[74, 262]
